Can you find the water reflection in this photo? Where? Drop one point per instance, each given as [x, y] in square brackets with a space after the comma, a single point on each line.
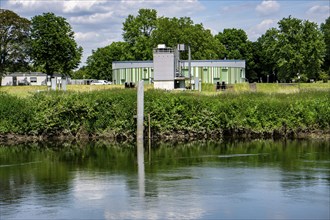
[195, 181]
[141, 174]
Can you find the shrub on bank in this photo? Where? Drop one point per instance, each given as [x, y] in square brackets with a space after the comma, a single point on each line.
[15, 114]
[111, 113]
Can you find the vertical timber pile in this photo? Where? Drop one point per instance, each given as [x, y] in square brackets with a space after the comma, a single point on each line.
[139, 138]
[140, 110]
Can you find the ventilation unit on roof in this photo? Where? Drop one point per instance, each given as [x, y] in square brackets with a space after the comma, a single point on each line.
[161, 46]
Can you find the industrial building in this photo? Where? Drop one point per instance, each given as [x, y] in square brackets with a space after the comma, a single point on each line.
[167, 71]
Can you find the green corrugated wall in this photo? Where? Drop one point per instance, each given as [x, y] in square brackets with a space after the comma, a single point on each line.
[230, 75]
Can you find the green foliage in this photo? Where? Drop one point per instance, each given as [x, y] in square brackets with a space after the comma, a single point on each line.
[137, 33]
[14, 36]
[235, 42]
[81, 73]
[143, 32]
[173, 31]
[99, 64]
[110, 113]
[325, 28]
[15, 114]
[94, 112]
[53, 44]
[297, 47]
[324, 77]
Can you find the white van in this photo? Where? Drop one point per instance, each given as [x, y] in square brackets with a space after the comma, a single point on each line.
[100, 82]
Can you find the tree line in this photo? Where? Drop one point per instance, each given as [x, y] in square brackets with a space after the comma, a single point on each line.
[46, 44]
[297, 49]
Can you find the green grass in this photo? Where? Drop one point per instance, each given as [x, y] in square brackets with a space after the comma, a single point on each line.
[285, 88]
[26, 91]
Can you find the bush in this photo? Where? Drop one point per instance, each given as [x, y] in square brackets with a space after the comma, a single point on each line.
[15, 114]
[324, 76]
[111, 113]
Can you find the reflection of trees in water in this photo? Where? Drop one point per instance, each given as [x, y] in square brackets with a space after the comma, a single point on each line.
[43, 180]
[52, 176]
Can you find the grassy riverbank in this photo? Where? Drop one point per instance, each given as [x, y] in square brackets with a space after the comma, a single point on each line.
[207, 88]
[109, 113]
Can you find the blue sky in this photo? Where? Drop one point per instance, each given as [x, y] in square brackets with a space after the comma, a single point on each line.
[98, 23]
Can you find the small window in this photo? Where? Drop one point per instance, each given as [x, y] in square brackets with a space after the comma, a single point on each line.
[33, 79]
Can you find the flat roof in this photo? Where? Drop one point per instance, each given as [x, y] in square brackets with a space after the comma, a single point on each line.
[196, 63]
[215, 63]
[132, 64]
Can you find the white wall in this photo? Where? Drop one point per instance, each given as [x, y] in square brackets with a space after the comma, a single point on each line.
[7, 81]
[167, 85]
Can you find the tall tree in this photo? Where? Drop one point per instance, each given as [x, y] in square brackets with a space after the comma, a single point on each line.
[173, 31]
[299, 49]
[238, 47]
[99, 64]
[325, 28]
[137, 33]
[253, 64]
[266, 47]
[53, 45]
[235, 42]
[14, 36]
[313, 50]
[296, 49]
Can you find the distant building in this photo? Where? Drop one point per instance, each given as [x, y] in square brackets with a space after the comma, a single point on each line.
[167, 71]
[30, 78]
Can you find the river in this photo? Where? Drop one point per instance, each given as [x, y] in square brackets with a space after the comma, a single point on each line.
[261, 179]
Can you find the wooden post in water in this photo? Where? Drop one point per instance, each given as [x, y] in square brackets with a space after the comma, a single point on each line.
[139, 138]
[140, 110]
[149, 137]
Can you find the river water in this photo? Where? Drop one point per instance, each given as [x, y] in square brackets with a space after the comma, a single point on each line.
[261, 179]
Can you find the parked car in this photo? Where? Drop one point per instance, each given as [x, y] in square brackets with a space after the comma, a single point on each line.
[100, 82]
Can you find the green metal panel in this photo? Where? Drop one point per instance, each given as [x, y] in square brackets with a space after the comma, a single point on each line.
[206, 74]
[224, 75]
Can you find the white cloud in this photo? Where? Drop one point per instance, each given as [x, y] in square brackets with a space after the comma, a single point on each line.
[25, 4]
[86, 36]
[78, 6]
[318, 12]
[319, 9]
[265, 24]
[268, 7]
[98, 23]
[33, 6]
[97, 18]
[255, 32]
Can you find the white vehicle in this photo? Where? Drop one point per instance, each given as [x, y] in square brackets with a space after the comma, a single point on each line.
[100, 82]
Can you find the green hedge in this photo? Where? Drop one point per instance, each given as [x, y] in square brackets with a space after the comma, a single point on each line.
[111, 113]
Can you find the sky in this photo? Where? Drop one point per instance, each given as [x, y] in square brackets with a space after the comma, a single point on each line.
[98, 23]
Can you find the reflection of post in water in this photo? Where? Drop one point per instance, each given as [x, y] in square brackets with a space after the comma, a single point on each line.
[141, 174]
[139, 137]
